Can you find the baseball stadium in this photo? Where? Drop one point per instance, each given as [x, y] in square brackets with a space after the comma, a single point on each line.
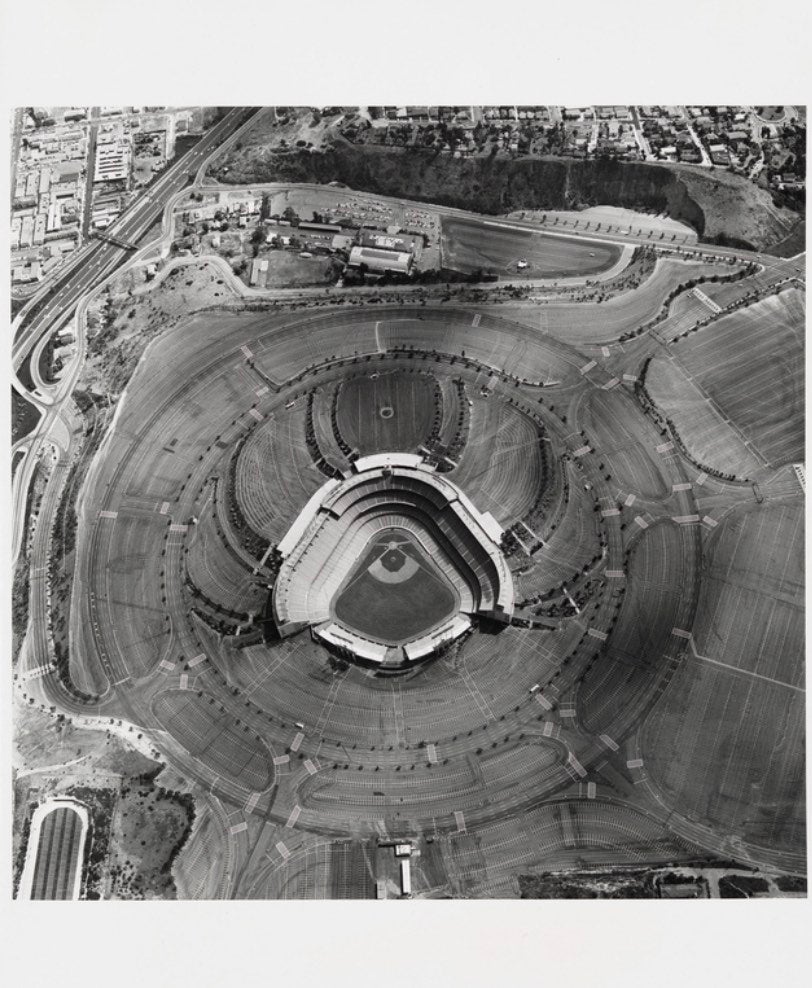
[505, 587]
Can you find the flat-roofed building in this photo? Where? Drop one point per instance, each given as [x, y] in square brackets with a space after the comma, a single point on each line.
[380, 260]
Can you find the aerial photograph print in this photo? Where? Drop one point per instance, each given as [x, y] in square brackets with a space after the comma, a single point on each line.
[407, 502]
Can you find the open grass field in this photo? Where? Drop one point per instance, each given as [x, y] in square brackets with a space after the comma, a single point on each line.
[57, 855]
[735, 389]
[391, 411]
[394, 593]
[473, 245]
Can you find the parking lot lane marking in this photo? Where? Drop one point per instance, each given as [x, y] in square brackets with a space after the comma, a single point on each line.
[294, 816]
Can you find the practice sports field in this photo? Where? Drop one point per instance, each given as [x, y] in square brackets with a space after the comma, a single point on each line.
[392, 411]
[473, 245]
[57, 855]
[394, 593]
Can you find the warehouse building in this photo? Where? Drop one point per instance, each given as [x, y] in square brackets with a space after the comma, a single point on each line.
[380, 260]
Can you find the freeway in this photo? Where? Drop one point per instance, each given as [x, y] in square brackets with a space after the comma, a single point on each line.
[100, 259]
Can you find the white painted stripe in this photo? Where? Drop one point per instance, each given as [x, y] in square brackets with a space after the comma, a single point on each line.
[294, 816]
[679, 633]
[588, 367]
[664, 447]
[294, 746]
[251, 802]
[594, 633]
[630, 500]
[282, 850]
[634, 763]
[238, 828]
[108, 514]
[460, 818]
[281, 759]
[246, 352]
[609, 742]
[310, 767]
[709, 521]
[641, 522]
[615, 574]
[197, 660]
[431, 751]
[681, 487]
[542, 699]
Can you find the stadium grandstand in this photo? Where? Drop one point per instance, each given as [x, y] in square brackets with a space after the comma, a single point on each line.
[390, 564]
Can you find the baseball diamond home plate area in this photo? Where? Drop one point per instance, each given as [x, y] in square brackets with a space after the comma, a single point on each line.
[397, 587]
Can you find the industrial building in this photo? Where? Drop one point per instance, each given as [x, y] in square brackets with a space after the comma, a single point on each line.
[381, 260]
